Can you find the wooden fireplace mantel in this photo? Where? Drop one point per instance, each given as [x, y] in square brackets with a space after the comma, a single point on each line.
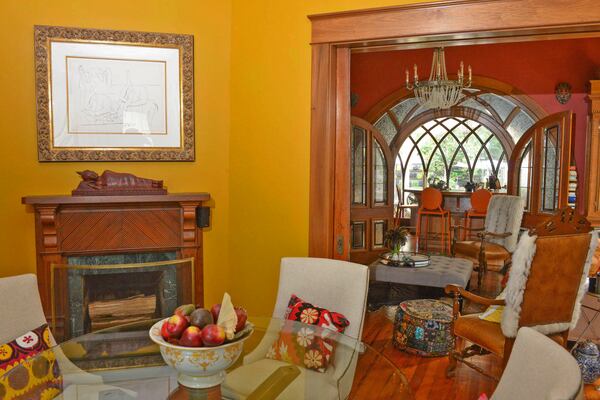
[96, 225]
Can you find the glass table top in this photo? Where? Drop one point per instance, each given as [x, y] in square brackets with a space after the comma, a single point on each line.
[123, 363]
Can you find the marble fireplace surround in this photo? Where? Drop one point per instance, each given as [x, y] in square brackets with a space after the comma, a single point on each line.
[80, 282]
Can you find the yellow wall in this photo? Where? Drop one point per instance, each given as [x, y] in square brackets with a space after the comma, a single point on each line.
[252, 75]
[270, 124]
[21, 173]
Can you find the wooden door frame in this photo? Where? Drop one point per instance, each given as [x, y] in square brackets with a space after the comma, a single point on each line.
[452, 22]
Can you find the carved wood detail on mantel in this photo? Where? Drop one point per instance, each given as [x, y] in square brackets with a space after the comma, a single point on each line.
[96, 225]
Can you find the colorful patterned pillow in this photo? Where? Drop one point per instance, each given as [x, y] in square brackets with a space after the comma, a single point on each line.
[311, 346]
[34, 372]
[303, 345]
[307, 313]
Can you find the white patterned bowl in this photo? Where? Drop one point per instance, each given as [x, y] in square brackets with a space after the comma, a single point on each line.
[200, 367]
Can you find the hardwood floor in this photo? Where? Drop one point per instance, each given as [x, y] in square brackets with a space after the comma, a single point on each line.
[427, 376]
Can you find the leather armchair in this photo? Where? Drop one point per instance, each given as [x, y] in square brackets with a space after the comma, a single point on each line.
[496, 241]
[544, 291]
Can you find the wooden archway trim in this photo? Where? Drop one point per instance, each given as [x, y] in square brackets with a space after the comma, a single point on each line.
[455, 20]
[448, 22]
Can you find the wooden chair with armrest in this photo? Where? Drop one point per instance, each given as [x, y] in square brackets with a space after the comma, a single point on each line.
[498, 238]
[544, 291]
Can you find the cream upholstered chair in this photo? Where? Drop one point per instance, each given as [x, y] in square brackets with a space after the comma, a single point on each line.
[497, 240]
[20, 307]
[539, 368]
[336, 285]
[21, 311]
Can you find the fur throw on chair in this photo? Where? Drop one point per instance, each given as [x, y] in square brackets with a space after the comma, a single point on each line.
[521, 266]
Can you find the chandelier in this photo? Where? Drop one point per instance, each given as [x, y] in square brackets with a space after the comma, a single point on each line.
[439, 92]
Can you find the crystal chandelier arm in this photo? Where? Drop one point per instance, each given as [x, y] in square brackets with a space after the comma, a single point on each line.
[442, 66]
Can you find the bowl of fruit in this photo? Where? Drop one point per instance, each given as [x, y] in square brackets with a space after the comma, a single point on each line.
[201, 344]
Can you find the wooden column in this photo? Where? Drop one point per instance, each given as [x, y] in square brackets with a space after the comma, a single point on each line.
[593, 156]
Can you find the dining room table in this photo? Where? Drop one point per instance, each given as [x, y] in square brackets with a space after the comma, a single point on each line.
[122, 363]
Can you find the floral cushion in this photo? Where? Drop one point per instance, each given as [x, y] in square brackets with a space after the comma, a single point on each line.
[307, 313]
[303, 345]
[34, 372]
[308, 346]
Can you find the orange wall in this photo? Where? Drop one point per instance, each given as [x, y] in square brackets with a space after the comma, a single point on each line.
[20, 172]
[270, 131]
[252, 76]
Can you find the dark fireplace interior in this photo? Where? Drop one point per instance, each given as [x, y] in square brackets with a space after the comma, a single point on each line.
[121, 298]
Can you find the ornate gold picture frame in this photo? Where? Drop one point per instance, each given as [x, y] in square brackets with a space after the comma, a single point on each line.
[105, 95]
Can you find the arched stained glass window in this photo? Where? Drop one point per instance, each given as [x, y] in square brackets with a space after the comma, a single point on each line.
[453, 149]
[468, 143]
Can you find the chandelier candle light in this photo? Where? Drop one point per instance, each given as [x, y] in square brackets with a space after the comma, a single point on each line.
[439, 92]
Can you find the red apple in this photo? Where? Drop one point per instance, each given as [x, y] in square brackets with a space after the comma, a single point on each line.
[175, 326]
[242, 317]
[215, 310]
[185, 310]
[191, 337]
[213, 335]
[163, 331]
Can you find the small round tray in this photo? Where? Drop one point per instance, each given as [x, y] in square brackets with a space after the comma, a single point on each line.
[407, 260]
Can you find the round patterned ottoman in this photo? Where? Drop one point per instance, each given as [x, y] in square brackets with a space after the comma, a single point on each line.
[423, 327]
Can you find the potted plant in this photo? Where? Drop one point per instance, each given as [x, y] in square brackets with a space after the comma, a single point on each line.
[394, 239]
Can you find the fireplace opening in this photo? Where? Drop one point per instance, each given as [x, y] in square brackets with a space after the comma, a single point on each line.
[117, 299]
[89, 298]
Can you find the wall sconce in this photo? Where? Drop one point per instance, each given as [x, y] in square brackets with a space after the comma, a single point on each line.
[563, 92]
[354, 97]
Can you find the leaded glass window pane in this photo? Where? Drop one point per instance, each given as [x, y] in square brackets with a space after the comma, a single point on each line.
[483, 168]
[519, 125]
[403, 108]
[459, 172]
[501, 105]
[379, 229]
[379, 175]
[359, 165]
[386, 127]
[465, 151]
[359, 233]
[414, 172]
[436, 169]
[525, 165]
[550, 170]
[472, 103]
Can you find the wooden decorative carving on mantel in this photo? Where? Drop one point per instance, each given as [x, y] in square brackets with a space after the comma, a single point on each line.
[111, 183]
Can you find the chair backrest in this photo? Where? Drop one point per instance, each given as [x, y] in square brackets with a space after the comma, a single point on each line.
[431, 199]
[547, 277]
[504, 215]
[336, 285]
[480, 199]
[20, 306]
[539, 368]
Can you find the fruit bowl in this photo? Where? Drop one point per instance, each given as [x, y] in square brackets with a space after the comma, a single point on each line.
[201, 367]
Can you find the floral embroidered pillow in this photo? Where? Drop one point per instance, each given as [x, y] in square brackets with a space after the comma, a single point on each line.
[34, 372]
[304, 345]
[307, 313]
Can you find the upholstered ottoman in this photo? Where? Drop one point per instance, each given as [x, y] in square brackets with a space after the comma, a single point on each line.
[423, 327]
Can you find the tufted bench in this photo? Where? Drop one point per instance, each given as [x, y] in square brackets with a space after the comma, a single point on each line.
[415, 283]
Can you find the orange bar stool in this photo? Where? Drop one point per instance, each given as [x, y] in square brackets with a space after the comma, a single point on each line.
[480, 199]
[431, 205]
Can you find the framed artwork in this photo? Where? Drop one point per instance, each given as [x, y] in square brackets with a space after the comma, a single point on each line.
[106, 95]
